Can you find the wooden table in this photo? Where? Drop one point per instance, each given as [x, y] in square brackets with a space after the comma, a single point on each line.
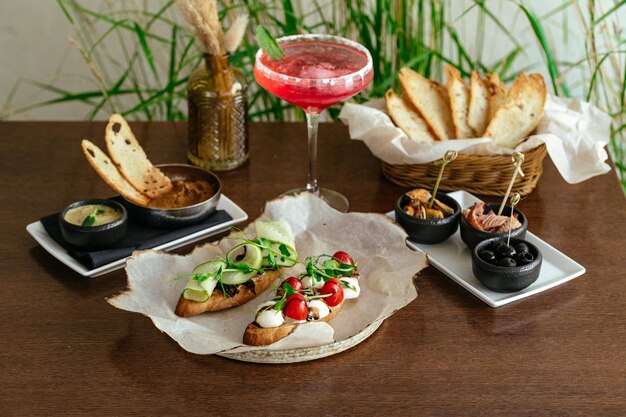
[65, 351]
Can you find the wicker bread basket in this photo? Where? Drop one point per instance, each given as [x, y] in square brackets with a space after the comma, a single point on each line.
[477, 174]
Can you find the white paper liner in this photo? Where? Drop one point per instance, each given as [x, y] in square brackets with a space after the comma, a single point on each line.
[575, 134]
[385, 263]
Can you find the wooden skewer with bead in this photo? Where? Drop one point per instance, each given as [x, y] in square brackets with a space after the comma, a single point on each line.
[515, 198]
[447, 158]
[518, 160]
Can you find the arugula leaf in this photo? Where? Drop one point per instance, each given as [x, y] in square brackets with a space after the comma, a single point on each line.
[89, 220]
[268, 43]
[200, 278]
[284, 250]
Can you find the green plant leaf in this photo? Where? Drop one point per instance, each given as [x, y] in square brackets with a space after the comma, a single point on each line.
[269, 44]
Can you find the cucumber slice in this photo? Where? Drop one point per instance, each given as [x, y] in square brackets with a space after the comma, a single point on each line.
[277, 231]
[201, 291]
[199, 296]
[252, 258]
[237, 277]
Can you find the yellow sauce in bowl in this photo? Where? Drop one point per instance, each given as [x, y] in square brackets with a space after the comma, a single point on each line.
[92, 215]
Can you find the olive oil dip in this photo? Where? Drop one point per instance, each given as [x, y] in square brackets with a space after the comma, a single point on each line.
[92, 215]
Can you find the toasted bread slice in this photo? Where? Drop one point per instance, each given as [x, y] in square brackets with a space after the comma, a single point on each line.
[132, 161]
[496, 94]
[101, 163]
[217, 301]
[459, 96]
[428, 99]
[256, 335]
[521, 112]
[478, 110]
[406, 118]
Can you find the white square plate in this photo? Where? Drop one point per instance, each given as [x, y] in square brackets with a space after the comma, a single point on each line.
[38, 232]
[453, 258]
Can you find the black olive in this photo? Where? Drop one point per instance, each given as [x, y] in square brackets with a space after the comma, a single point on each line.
[505, 251]
[487, 256]
[507, 262]
[523, 258]
[522, 247]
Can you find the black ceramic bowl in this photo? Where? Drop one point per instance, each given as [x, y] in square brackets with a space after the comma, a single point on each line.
[506, 278]
[94, 236]
[472, 237]
[429, 231]
[182, 216]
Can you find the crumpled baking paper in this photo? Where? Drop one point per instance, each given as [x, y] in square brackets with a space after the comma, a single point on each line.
[575, 134]
[385, 263]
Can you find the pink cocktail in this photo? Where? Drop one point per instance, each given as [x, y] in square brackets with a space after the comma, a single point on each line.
[316, 72]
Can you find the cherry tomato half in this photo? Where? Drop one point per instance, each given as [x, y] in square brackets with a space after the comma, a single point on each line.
[333, 287]
[296, 307]
[343, 258]
[294, 282]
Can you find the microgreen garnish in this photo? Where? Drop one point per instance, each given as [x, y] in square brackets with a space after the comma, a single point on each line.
[91, 218]
[275, 254]
[269, 44]
[324, 267]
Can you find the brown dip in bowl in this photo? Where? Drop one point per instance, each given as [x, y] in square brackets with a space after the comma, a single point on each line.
[184, 193]
[193, 197]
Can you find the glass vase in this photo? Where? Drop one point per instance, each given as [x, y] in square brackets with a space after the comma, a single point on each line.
[218, 108]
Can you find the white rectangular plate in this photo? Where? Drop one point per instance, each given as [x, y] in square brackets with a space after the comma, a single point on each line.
[38, 232]
[453, 258]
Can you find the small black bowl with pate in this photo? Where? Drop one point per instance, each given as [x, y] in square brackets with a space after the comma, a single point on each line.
[506, 267]
[93, 223]
[424, 224]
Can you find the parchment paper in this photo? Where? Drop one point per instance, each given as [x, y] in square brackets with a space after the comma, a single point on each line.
[575, 134]
[385, 263]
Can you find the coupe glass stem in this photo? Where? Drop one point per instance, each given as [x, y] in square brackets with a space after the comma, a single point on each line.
[312, 121]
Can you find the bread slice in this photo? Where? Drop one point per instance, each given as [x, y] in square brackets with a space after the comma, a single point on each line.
[217, 301]
[496, 94]
[255, 335]
[459, 96]
[478, 110]
[406, 118]
[428, 99]
[521, 112]
[107, 170]
[132, 161]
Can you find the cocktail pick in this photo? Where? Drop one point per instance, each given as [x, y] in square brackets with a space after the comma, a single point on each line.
[518, 160]
[515, 198]
[448, 157]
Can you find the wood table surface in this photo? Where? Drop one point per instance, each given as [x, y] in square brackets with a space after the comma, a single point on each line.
[65, 351]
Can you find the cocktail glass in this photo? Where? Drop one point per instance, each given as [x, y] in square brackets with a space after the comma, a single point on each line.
[316, 72]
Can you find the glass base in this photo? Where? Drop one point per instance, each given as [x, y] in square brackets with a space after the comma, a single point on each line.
[331, 197]
[216, 165]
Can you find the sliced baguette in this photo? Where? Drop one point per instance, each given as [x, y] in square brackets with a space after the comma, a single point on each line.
[496, 94]
[428, 99]
[132, 161]
[406, 118]
[256, 335]
[459, 96]
[479, 105]
[521, 112]
[217, 301]
[107, 170]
